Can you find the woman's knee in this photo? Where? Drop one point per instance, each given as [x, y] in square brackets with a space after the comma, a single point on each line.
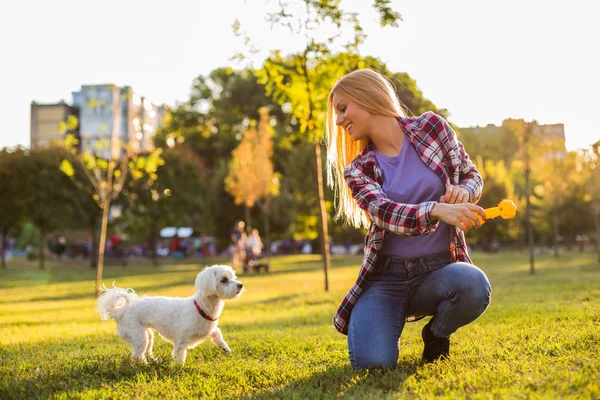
[372, 357]
[474, 285]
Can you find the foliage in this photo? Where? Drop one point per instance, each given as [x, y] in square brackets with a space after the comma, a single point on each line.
[106, 166]
[492, 142]
[251, 176]
[498, 185]
[11, 186]
[172, 199]
[213, 120]
[50, 201]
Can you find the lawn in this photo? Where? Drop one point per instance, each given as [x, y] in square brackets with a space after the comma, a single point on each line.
[540, 338]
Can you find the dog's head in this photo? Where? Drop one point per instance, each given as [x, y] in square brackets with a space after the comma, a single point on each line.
[220, 281]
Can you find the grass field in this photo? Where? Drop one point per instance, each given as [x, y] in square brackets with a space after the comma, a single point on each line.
[540, 338]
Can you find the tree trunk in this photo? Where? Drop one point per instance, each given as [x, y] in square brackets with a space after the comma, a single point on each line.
[598, 235]
[102, 245]
[94, 250]
[267, 225]
[42, 248]
[555, 226]
[324, 234]
[526, 137]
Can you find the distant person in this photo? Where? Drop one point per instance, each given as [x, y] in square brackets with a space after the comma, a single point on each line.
[115, 242]
[254, 248]
[238, 245]
[410, 181]
[348, 246]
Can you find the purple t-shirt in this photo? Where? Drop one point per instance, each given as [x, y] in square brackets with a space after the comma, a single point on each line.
[406, 179]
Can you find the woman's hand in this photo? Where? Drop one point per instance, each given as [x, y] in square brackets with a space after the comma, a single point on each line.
[455, 195]
[463, 216]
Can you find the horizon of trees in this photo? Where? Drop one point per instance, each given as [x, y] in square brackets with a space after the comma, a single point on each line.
[198, 139]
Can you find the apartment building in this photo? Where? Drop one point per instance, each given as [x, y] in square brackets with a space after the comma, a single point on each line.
[46, 120]
[549, 139]
[103, 110]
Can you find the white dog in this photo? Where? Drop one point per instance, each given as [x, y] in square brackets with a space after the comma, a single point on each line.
[185, 322]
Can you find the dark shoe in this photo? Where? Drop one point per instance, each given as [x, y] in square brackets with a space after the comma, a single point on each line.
[435, 347]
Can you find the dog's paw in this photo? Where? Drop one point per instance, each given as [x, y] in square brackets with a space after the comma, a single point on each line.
[226, 349]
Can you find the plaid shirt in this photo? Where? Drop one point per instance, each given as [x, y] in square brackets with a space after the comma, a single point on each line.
[436, 143]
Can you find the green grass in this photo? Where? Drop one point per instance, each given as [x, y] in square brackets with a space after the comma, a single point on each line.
[540, 338]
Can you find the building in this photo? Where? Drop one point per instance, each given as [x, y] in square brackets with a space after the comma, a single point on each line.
[134, 117]
[549, 139]
[553, 141]
[99, 108]
[46, 120]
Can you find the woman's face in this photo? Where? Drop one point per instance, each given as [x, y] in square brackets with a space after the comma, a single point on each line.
[351, 117]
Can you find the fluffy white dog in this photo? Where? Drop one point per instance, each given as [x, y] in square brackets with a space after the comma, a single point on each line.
[185, 322]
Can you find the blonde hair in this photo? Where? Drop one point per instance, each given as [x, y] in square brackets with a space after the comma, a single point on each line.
[374, 93]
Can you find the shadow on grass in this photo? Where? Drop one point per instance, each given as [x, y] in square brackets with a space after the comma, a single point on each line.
[338, 382]
[65, 369]
[77, 369]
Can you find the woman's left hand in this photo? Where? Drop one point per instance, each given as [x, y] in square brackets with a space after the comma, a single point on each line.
[455, 195]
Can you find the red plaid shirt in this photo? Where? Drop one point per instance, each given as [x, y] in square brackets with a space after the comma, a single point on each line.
[436, 143]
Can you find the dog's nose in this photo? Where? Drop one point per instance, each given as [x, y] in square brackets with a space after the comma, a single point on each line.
[240, 286]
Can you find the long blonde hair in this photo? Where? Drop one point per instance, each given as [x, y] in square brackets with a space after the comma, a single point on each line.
[374, 93]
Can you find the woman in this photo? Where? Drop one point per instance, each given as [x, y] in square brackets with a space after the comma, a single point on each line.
[411, 182]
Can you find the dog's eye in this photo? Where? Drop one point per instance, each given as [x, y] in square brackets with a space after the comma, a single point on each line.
[224, 280]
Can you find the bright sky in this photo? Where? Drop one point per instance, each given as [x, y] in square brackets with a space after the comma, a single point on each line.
[483, 61]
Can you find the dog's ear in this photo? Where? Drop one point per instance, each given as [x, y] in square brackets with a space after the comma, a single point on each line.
[206, 282]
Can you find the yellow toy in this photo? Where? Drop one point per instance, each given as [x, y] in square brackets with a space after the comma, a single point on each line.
[506, 209]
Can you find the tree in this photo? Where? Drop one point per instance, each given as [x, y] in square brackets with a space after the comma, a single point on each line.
[212, 124]
[303, 81]
[173, 199]
[525, 132]
[12, 208]
[499, 185]
[251, 175]
[251, 178]
[492, 142]
[106, 168]
[49, 198]
[590, 166]
[555, 170]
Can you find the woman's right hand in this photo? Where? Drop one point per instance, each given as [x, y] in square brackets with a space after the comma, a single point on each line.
[463, 215]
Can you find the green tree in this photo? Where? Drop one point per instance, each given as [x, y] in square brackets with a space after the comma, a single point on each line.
[106, 168]
[49, 197]
[212, 123]
[303, 81]
[492, 142]
[555, 170]
[525, 131]
[173, 199]
[11, 186]
[590, 167]
[499, 185]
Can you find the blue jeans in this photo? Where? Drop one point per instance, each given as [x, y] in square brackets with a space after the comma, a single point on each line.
[456, 293]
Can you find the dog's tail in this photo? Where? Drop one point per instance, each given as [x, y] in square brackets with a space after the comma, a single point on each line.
[114, 301]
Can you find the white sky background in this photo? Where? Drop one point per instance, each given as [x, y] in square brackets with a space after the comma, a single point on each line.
[484, 61]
